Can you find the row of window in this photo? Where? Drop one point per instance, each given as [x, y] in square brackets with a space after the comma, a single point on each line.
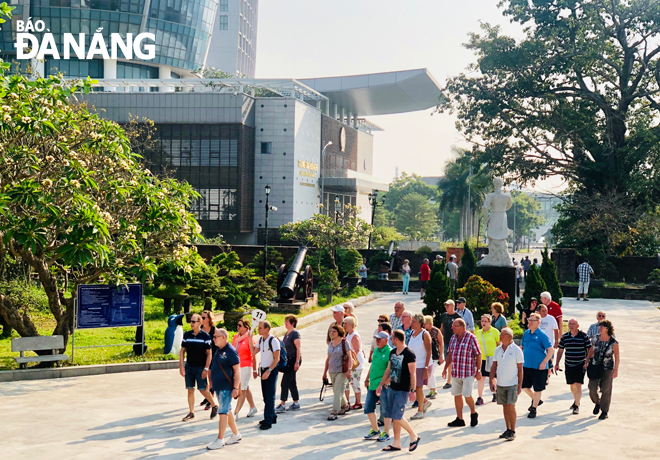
[215, 204]
[127, 6]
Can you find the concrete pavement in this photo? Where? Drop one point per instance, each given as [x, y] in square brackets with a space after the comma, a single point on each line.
[138, 415]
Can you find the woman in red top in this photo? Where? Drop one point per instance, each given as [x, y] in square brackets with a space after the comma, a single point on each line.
[244, 342]
[424, 276]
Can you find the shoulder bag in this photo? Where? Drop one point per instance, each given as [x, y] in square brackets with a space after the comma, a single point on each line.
[227, 377]
[350, 360]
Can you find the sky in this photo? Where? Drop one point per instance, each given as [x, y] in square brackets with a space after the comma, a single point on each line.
[314, 38]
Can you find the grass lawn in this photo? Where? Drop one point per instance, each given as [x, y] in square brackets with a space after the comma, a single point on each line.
[155, 322]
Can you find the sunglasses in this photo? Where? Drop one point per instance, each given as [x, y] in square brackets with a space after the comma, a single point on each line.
[601, 316]
[333, 332]
[382, 321]
[194, 321]
[532, 319]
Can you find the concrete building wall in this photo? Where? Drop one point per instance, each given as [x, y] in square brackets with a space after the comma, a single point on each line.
[365, 159]
[307, 149]
[233, 47]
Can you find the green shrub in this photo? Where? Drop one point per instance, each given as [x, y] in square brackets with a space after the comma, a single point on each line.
[468, 266]
[595, 293]
[349, 262]
[480, 295]
[26, 296]
[274, 261]
[378, 261]
[233, 297]
[534, 286]
[424, 251]
[654, 277]
[437, 292]
[549, 275]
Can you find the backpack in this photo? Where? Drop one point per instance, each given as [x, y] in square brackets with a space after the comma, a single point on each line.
[282, 364]
[435, 351]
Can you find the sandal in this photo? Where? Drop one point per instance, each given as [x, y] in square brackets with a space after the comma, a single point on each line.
[390, 448]
[332, 417]
[356, 406]
[342, 412]
[413, 445]
[190, 416]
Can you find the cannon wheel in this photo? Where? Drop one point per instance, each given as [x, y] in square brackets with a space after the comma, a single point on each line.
[308, 281]
[281, 274]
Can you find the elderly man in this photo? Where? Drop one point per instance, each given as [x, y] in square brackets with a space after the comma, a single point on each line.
[424, 276]
[506, 376]
[554, 309]
[438, 259]
[465, 313]
[452, 272]
[446, 323]
[585, 272]
[549, 326]
[594, 329]
[538, 351]
[395, 318]
[338, 316]
[465, 354]
[406, 324]
[269, 348]
[577, 344]
[381, 359]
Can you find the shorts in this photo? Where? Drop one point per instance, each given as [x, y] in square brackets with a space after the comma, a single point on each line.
[224, 401]
[396, 400]
[446, 350]
[354, 381]
[424, 283]
[194, 374]
[534, 378]
[420, 380]
[246, 376]
[507, 395]
[575, 374]
[370, 403]
[484, 372]
[583, 287]
[462, 386]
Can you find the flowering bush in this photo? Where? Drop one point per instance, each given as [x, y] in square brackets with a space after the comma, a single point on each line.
[480, 295]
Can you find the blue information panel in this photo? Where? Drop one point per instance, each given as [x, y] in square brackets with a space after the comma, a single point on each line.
[100, 305]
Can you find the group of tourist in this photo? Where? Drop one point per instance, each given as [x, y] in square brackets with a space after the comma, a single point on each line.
[404, 354]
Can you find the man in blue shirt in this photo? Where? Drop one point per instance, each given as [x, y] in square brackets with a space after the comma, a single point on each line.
[538, 351]
[465, 313]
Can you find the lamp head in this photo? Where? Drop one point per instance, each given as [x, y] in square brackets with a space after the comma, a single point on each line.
[267, 189]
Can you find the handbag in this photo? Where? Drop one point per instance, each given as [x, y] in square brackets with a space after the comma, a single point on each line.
[350, 358]
[227, 377]
[596, 371]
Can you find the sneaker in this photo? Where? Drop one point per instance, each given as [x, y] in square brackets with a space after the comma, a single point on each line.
[480, 401]
[205, 402]
[511, 436]
[280, 409]
[586, 300]
[531, 406]
[252, 412]
[505, 434]
[415, 404]
[417, 416]
[446, 386]
[426, 406]
[495, 398]
[532, 413]
[432, 394]
[596, 409]
[576, 409]
[216, 444]
[474, 419]
[373, 434]
[234, 439]
[457, 422]
[384, 437]
[265, 426]
[294, 406]
[603, 416]
[214, 412]
[572, 406]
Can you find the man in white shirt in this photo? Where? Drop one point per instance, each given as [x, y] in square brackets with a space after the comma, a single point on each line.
[549, 326]
[452, 272]
[269, 348]
[506, 374]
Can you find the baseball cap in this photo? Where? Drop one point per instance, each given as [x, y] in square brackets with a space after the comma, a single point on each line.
[449, 302]
[461, 300]
[382, 335]
[338, 308]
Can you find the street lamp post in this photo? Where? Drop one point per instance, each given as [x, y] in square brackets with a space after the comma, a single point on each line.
[266, 237]
[321, 170]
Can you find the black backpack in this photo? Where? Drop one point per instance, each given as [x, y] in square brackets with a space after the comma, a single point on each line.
[282, 364]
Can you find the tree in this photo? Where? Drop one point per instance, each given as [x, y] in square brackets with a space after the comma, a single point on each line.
[438, 292]
[524, 212]
[75, 204]
[404, 186]
[383, 235]
[549, 275]
[534, 286]
[468, 266]
[415, 216]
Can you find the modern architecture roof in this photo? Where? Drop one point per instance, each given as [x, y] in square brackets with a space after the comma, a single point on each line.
[380, 93]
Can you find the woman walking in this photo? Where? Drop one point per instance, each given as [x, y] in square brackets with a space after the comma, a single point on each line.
[244, 343]
[489, 339]
[208, 326]
[528, 311]
[436, 354]
[293, 360]
[603, 367]
[334, 364]
[420, 345]
[405, 276]
[355, 341]
[498, 319]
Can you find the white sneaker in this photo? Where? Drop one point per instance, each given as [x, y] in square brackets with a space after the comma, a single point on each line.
[252, 412]
[234, 438]
[216, 444]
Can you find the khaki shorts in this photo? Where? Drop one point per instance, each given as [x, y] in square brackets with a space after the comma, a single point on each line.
[462, 386]
[507, 395]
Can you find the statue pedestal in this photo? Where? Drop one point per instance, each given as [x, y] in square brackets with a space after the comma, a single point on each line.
[503, 278]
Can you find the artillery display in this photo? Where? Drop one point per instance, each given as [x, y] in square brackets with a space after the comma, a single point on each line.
[295, 283]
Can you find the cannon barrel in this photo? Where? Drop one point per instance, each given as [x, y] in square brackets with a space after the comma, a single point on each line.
[289, 286]
[391, 248]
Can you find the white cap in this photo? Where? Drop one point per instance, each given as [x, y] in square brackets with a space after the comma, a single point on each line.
[338, 308]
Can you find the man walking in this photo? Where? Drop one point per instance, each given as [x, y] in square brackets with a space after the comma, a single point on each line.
[538, 351]
[379, 361]
[465, 313]
[397, 383]
[363, 272]
[424, 276]
[269, 348]
[594, 329]
[196, 348]
[577, 344]
[584, 272]
[338, 316]
[465, 354]
[406, 324]
[554, 309]
[506, 375]
[395, 318]
[438, 259]
[526, 263]
[446, 327]
[452, 273]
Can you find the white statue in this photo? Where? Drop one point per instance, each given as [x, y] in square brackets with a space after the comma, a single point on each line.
[496, 228]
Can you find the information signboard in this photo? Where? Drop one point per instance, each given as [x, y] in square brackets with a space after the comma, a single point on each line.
[101, 305]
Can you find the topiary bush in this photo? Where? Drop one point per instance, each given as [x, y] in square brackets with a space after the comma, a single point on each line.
[654, 277]
[349, 262]
[549, 275]
[424, 251]
[480, 295]
[232, 298]
[468, 265]
[437, 292]
[534, 286]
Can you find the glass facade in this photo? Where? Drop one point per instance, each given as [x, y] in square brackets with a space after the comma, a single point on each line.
[75, 67]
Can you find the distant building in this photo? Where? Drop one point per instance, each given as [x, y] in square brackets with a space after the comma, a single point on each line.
[432, 180]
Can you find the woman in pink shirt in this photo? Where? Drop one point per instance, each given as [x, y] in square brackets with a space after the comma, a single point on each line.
[244, 342]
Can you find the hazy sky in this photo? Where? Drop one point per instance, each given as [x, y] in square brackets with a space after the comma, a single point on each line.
[314, 38]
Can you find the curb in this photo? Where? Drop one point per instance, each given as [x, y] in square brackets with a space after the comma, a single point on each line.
[79, 371]
[323, 314]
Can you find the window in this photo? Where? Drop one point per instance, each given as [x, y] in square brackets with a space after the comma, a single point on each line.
[267, 148]
[224, 5]
[223, 23]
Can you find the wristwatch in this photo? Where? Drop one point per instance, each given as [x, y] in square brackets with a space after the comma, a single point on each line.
[206, 368]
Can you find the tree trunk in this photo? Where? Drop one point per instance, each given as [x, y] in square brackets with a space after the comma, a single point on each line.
[178, 306]
[186, 305]
[208, 304]
[14, 318]
[6, 328]
[167, 307]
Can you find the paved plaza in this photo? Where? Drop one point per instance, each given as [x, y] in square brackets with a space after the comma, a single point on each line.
[138, 415]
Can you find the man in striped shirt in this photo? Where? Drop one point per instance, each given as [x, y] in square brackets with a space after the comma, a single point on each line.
[584, 272]
[576, 345]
